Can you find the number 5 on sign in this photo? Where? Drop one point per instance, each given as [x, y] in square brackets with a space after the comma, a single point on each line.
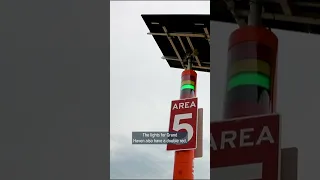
[177, 126]
[183, 118]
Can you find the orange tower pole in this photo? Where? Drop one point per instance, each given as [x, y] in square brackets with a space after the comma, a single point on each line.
[183, 161]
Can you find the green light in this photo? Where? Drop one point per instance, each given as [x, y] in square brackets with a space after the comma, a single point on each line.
[249, 79]
[187, 86]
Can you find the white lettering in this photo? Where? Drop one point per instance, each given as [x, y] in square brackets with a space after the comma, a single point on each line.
[225, 139]
[244, 136]
[153, 135]
[213, 143]
[175, 107]
[184, 105]
[265, 135]
[138, 141]
[193, 104]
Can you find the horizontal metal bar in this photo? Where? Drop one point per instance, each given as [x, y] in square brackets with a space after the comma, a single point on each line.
[296, 19]
[173, 58]
[308, 4]
[201, 67]
[202, 35]
[176, 59]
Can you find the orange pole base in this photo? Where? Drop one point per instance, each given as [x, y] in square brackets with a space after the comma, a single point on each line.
[183, 165]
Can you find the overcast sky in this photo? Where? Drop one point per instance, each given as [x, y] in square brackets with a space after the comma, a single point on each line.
[142, 88]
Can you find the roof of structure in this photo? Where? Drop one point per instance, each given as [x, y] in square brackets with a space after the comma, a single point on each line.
[290, 15]
[179, 36]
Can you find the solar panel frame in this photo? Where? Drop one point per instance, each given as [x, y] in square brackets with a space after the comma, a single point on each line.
[179, 35]
[290, 15]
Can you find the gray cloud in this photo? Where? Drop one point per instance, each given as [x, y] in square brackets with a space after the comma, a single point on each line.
[150, 161]
[141, 162]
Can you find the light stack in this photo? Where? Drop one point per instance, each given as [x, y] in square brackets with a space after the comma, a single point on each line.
[188, 84]
[251, 72]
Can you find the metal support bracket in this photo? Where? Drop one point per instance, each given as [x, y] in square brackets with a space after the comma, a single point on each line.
[254, 17]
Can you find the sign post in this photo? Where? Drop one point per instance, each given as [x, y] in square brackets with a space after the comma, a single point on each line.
[245, 148]
[183, 118]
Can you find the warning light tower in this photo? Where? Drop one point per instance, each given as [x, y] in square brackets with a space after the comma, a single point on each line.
[173, 34]
[183, 161]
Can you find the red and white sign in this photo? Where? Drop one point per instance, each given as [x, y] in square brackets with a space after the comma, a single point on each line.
[245, 148]
[183, 118]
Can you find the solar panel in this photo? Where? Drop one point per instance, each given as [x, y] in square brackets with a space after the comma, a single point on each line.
[180, 37]
[291, 15]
